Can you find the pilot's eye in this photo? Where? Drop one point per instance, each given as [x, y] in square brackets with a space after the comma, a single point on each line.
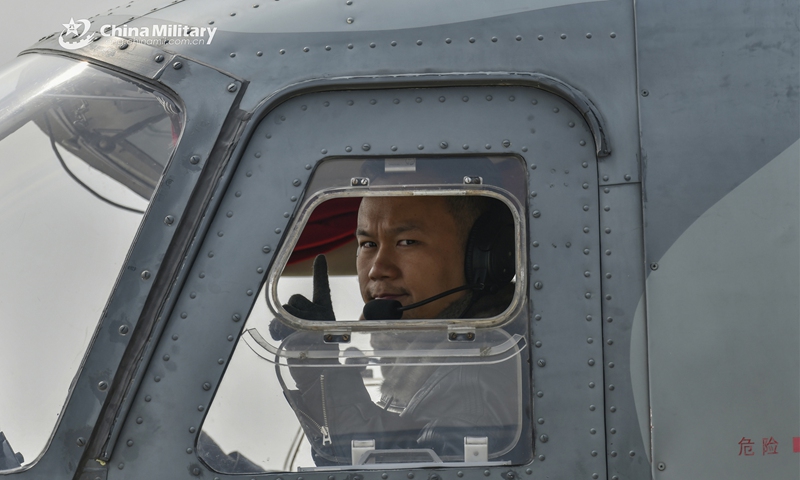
[406, 243]
[367, 244]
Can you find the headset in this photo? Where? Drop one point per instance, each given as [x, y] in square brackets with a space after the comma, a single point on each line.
[489, 259]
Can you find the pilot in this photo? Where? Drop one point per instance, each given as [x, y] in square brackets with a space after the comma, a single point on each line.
[410, 249]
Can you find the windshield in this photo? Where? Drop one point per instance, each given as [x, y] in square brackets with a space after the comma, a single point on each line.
[81, 152]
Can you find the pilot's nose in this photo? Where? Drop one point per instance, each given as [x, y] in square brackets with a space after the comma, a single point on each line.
[384, 264]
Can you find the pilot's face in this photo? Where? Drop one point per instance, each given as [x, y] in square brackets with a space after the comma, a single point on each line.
[409, 250]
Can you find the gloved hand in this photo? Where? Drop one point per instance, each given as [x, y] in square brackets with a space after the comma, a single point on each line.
[320, 308]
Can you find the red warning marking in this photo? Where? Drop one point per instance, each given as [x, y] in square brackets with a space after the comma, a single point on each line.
[796, 444]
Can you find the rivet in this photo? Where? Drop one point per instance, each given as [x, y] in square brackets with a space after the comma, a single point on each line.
[159, 58]
[613, 35]
[592, 408]
[613, 409]
[543, 438]
[121, 466]
[538, 344]
[81, 441]
[506, 143]
[200, 408]
[206, 386]
[585, 229]
[594, 475]
[350, 20]
[384, 476]
[123, 330]
[535, 266]
[166, 358]
[488, 98]
[281, 51]
[174, 337]
[266, 249]
[442, 99]
[540, 394]
[632, 453]
[609, 319]
[193, 295]
[364, 147]
[606, 208]
[563, 36]
[210, 254]
[419, 42]
[465, 98]
[328, 48]
[248, 174]
[594, 454]
[614, 454]
[394, 44]
[465, 146]
[537, 214]
[610, 364]
[305, 49]
[123, 46]
[608, 252]
[662, 466]
[535, 244]
[249, 293]
[653, 266]
[259, 270]
[627, 178]
[519, 38]
[541, 458]
[420, 147]
[443, 145]
[494, 39]
[194, 159]
[293, 198]
[447, 40]
[533, 194]
[471, 39]
[591, 362]
[585, 186]
[592, 431]
[582, 143]
[540, 37]
[139, 420]
[586, 251]
[221, 361]
[486, 473]
[524, 149]
[258, 54]
[230, 338]
[586, 208]
[460, 473]
[393, 148]
[184, 315]
[349, 2]
[373, 101]
[233, 14]
[196, 471]
[169, 220]
[537, 317]
[533, 166]
[177, 65]
[608, 297]
[645, 93]
[233, 55]
[611, 387]
[528, 471]
[588, 318]
[591, 384]
[348, 149]
[610, 341]
[410, 475]
[588, 35]
[606, 190]
[607, 230]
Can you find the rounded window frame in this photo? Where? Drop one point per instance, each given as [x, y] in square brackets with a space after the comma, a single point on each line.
[438, 190]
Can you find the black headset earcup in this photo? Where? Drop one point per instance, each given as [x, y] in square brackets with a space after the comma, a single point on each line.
[489, 256]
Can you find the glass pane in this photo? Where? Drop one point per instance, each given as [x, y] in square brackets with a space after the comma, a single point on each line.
[82, 151]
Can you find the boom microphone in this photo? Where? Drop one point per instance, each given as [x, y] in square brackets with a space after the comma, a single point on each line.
[380, 309]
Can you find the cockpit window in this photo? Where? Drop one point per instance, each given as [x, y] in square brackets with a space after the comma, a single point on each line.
[81, 152]
[394, 331]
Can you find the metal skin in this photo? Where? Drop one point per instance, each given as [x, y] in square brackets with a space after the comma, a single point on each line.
[656, 126]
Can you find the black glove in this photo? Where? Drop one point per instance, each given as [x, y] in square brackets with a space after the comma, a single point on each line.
[320, 309]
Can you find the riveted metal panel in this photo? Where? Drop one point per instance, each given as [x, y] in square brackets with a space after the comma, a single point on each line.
[108, 359]
[257, 205]
[589, 45]
[623, 288]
